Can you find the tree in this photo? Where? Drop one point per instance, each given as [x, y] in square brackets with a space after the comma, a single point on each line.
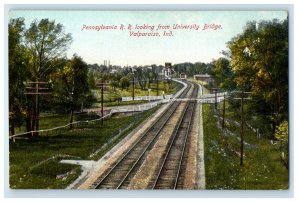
[124, 82]
[259, 59]
[91, 80]
[223, 74]
[149, 76]
[115, 78]
[141, 79]
[72, 87]
[114, 84]
[282, 134]
[17, 72]
[46, 42]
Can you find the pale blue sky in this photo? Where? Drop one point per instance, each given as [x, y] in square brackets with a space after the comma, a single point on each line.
[121, 49]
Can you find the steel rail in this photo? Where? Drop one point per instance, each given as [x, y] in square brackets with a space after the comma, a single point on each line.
[183, 150]
[169, 148]
[129, 172]
[177, 136]
[99, 183]
[188, 131]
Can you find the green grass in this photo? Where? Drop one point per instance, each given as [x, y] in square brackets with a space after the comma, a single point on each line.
[111, 95]
[262, 167]
[133, 124]
[53, 120]
[34, 163]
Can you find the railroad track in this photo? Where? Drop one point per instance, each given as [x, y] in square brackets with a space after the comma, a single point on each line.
[170, 175]
[121, 172]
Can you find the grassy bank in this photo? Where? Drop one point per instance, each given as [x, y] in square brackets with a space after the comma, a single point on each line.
[262, 167]
[34, 163]
[53, 120]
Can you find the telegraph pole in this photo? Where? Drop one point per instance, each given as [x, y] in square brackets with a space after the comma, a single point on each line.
[35, 88]
[223, 121]
[242, 98]
[242, 128]
[157, 86]
[133, 87]
[216, 104]
[102, 98]
[101, 85]
[133, 82]
[215, 91]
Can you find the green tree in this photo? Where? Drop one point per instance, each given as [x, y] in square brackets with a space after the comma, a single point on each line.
[223, 74]
[17, 72]
[282, 134]
[114, 80]
[149, 76]
[259, 59]
[46, 42]
[91, 80]
[140, 77]
[72, 87]
[124, 83]
[114, 84]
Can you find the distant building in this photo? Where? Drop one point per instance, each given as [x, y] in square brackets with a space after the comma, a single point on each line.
[204, 77]
[167, 71]
[182, 76]
[113, 71]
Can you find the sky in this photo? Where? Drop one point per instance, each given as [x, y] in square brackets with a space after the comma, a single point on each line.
[117, 46]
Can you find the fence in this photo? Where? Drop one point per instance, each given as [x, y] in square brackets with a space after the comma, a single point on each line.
[149, 98]
[210, 100]
[60, 129]
[213, 95]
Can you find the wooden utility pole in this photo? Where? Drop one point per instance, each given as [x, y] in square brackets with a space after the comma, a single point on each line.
[133, 82]
[133, 87]
[157, 87]
[215, 91]
[223, 121]
[101, 85]
[242, 128]
[35, 88]
[102, 102]
[72, 111]
[242, 98]
[216, 101]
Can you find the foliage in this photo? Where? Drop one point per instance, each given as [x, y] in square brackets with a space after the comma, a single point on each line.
[91, 80]
[46, 42]
[259, 59]
[34, 54]
[141, 78]
[191, 69]
[124, 82]
[17, 75]
[282, 131]
[282, 134]
[71, 85]
[223, 74]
